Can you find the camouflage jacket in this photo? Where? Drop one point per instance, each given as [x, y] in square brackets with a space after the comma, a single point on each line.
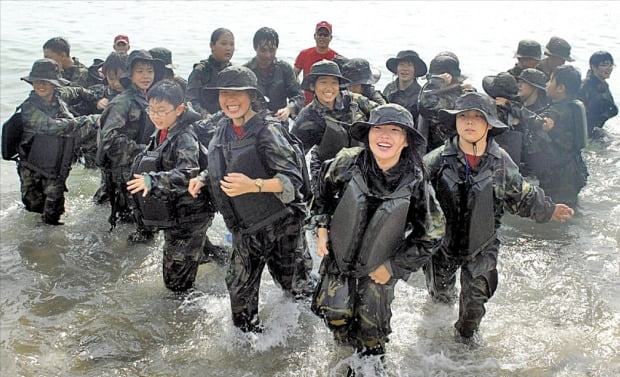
[425, 217]
[77, 74]
[597, 99]
[124, 130]
[204, 75]
[560, 145]
[280, 85]
[407, 98]
[516, 70]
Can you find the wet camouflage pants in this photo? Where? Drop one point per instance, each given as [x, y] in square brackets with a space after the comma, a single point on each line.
[182, 252]
[42, 195]
[357, 311]
[283, 248]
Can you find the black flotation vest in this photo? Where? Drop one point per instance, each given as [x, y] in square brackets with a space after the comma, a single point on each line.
[335, 137]
[12, 131]
[360, 245]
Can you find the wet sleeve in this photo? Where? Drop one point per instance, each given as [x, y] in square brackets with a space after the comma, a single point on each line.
[119, 148]
[38, 121]
[293, 91]
[194, 90]
[308, 129]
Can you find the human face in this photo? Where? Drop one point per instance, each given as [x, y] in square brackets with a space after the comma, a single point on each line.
[322, 38]
[121, 48]
[163, 114]
[265, 53]
[555, 61]
[223, 49]
[386, 143]
[44, 89]
[528, 62]
[603, 70]
[113, 77]
[58, 58]
[237, 105]
[357, 88]
[554, 91]
[405, 71]
[326, 89]
[472, 126]
[525, 89]
[143, 75]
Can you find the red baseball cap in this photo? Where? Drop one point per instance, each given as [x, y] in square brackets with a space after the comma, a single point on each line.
[323, 25]
[121, 38]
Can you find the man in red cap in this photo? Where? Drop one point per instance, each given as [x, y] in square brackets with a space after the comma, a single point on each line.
[121, 44]
[307, 57]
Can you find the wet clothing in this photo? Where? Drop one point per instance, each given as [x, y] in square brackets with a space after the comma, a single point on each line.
[78, 75]
[304, 62]
[327, 130]
[43, 170]
[354, 307]
[474, 200]
[280, 85]
[408, 98]
[544, 66]
[516, 70]
[599, 103]
[204, 75]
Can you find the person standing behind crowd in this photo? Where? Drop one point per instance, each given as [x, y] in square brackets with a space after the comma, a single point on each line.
[595, 94]
[205, 73]
[475, 182]
[164, 169]
[255, 182]
[276, 78]
[321, 51]
[363, 78]
[528, 56]
[557, 51]
[165, 56]
[59, 50]
[367, 199]
[121, 44]
[404, 90]
[125, 130]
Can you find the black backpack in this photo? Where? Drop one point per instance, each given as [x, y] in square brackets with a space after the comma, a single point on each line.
[12, 131]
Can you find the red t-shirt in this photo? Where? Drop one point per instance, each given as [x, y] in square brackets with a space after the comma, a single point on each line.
[306, 58]
[472, 160]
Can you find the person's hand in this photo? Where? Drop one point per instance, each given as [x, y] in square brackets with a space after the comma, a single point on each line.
[548, 125]
[283, 114]
[102, 103]
[321, 243]
[501, 101]
[562, 213]
[381, 275]
[446, 77]
[235, 184]
[138, 184]
[194, 187]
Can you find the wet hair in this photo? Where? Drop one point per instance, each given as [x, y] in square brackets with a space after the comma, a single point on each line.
[217, 33]
[58, 45]
[599, 57]
[568, 76]
[115, 61]
[266, 34]
[167, 90]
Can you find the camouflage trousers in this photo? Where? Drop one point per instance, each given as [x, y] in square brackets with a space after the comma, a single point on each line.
[283, 248]
[182, 253]
[42, 195]
[356, 310]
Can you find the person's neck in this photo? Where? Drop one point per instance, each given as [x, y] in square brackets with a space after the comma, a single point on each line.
[474, 149]
[67, 62]
[402, 85]
[531, 99]
[322, 50]
[238, 122]
[386, 165]
[558, 99]
[329, 105]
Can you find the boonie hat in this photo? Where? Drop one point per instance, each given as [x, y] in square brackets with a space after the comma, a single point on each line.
[558, 47]
[390, 113]
[163, 54]
[534, 77]
[359, 71]
[529, 48]
[324, 68]
[121, 38]
[477, 101]
[407, 55]
[445, 64]
[141, 55]
[236, 78]
[323, 25]
[46, 70]
[502, 85]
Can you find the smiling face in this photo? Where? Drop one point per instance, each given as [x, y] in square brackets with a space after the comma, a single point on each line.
[237, 105]
[472, 126]
[405, 71]
[326, 89]
[163, 114]
[386, 142]
[223, 49]
[322, 37]
[44, 89]
[143, 75]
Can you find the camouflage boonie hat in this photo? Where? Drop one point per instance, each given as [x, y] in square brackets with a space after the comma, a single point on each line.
[141, 55]
[324, 68]
[359, 71]
[46, 70]
[445, 64]
[558, 47]
[407, 55]
[534, 77]
[477, 101]
[502, 85]
[236, 78]
[390, 113]
[163, 54]
[529, 48]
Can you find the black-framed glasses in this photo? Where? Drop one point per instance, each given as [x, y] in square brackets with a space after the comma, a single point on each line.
[160, 113]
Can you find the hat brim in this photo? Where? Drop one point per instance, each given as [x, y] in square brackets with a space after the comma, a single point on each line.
[305, 83]
[526, 56]
[418, 64]
[532, 83]
[497, 126]
[59, 82]
[359, 130]
[236, 88]
[567, 58]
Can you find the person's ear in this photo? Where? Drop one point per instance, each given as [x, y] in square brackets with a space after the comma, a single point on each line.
[179, 110]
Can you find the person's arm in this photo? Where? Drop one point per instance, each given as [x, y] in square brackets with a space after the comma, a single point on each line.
[293, 92]
[37, 121]
[119, 147]
[309, 128]
[193, 93]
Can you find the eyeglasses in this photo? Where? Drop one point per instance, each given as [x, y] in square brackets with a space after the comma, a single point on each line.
[160, 114]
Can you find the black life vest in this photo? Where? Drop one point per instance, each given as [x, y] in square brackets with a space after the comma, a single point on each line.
[245, 213]
[580, 126]
[360, 245]
[12, 131]
[50, 155]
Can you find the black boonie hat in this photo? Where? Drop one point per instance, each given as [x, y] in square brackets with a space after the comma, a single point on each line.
[476, 101]
[445, 64]
[390, 113]
[236, 78]
[324, 68]
[558, 47]
[407, 55]
[359, 71]
[534, 77]
[529, 48]
[141, 55]
[502, 85]
[163, 54]
[45, 70]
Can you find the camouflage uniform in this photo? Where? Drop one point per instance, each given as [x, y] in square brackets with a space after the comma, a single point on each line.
[203, 75]
[77, 74]
[357, 309]
[280, 85]
[407, 98]
[597, 99]
[472, 220]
